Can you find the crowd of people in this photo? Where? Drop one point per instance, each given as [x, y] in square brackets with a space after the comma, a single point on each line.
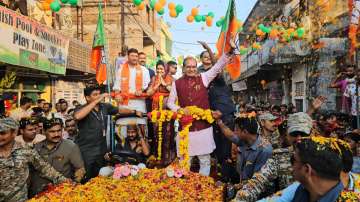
[255, 150]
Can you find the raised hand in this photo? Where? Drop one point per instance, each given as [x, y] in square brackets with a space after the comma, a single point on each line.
[318, 102]
[216, 114]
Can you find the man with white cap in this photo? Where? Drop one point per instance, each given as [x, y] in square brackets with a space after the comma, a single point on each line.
[278, 168]
[269, 130]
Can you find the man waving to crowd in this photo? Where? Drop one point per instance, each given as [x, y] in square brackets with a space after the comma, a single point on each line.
[191, 90]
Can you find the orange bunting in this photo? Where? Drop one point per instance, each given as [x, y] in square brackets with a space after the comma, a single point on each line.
[141, 6]
[173, 13]
[190, 18]
[209, 21]
[158, 6]
[274, 33]
[162, 2]
[171, 6]
[45, 6]
[260, 33]
[194, 11]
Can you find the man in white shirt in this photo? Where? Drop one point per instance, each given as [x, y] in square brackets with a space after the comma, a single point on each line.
[131, 81]
[28, 136]
[24, 110]
[63, 115]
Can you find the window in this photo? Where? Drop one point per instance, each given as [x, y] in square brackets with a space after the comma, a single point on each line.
[299, 88]
[168, 45]
[299, 104]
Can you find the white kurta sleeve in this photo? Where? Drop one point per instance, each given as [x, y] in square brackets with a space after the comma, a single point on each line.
[171, 103]
[117, 82]
[146, 77]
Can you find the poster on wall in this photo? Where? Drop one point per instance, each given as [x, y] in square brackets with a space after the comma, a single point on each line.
[37, 12]
[28, 43]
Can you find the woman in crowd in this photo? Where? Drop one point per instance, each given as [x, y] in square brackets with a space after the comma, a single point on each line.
[160, 86]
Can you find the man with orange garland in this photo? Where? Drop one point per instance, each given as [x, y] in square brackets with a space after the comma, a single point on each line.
[191, 90]
[131, 81]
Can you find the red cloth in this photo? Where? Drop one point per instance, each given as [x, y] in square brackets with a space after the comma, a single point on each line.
[192, 92]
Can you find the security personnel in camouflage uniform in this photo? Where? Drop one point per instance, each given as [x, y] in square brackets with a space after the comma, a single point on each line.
[14, 164]
[277, 169]
[269, 129]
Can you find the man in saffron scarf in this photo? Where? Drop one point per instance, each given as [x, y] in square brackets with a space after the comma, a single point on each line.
[161, 86]
[131, 81]
[191, 90]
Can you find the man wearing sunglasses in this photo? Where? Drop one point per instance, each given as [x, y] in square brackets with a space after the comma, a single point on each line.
[63, 155]
[277, 171]
[317, 166]
[15, 162]
[28, 132]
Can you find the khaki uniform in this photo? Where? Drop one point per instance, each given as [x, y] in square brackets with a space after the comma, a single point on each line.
[65, 157]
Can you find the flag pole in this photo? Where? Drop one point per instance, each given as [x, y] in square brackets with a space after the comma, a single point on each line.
[110, 140]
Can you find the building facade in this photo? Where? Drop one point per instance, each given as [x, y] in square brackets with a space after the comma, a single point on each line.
[300, 70]
[38, 56]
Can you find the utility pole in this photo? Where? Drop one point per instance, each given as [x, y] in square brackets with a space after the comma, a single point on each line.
[122, 24]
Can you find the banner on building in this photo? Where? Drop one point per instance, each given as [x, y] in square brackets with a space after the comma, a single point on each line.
[239, 86]
[28, 43]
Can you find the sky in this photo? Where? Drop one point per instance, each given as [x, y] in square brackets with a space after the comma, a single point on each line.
[186, 35]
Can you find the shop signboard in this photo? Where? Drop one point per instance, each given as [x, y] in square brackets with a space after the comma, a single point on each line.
[26, 42]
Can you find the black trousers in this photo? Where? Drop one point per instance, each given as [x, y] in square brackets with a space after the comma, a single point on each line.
[354, 122]
[92, 167]
[223, 145]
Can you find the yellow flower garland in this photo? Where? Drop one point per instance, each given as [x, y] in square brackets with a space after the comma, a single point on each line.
[349, 196]
[166, 115]
[160, 122]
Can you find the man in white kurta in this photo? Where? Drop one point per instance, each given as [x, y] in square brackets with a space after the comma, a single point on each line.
[137, 104]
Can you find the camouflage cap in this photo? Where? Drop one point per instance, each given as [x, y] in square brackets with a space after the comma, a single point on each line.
[8, 123]
[267, 117]
[300, 122]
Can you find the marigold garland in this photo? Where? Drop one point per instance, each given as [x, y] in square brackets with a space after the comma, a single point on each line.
[160, 122]
[349, 196]
[150, 185]
[247, 115]
[334, 143]
[196, 113]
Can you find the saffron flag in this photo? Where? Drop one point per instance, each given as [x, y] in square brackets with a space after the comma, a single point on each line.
[229, 31]
[98, 60]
